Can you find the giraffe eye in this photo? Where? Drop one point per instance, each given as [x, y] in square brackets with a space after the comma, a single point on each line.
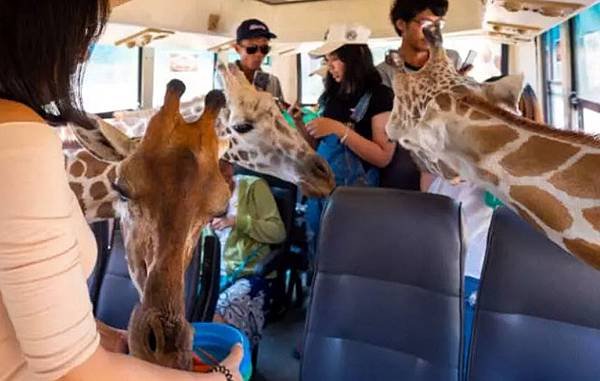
[243, 128]
[122, 191]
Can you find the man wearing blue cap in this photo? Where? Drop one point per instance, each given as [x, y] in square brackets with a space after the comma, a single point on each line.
[252, 44]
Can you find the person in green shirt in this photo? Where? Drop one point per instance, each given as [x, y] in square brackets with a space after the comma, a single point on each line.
[252, 223]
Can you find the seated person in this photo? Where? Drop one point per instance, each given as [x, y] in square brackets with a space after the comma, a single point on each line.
[251, 224]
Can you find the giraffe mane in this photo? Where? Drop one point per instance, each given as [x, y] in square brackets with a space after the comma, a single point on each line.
[488, 108]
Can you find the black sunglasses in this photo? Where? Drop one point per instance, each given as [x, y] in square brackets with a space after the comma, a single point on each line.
[253, 49]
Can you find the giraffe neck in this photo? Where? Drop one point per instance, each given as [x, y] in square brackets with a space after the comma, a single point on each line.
[548, 176]
[90, 180]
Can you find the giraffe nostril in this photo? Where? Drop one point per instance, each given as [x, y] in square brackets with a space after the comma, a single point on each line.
[152, 341]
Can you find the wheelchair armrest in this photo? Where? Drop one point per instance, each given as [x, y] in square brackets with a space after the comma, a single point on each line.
[273, 261]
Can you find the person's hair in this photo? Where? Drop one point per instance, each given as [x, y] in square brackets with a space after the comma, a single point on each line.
[360, 74]
[407, 10]
[42, 47]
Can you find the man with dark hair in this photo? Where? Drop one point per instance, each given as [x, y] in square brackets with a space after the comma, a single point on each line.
[252, 44]
[408, 18]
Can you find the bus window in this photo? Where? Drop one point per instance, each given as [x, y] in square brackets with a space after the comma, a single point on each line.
[192, 67]
[587, 50]
[111, 80]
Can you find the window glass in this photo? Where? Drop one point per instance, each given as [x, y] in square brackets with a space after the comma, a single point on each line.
[587, 45]
[488, 60]
[554, 85]
[192, 67]
[111, 79]
[591, 121]
[311, 85]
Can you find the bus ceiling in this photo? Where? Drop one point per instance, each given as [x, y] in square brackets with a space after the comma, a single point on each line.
[296, 21]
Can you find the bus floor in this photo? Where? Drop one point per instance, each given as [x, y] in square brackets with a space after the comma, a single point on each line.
[275, 355]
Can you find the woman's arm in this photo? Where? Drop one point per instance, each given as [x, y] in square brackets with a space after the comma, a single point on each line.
[377, 152]
[103, 365]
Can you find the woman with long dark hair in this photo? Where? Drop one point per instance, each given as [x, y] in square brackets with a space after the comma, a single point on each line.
[47, 330]
[350, 134]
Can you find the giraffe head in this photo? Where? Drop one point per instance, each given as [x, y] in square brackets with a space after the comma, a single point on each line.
[415, 120]
[169, 185]
[261, 140]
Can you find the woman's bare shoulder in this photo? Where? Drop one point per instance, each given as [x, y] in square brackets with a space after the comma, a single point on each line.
[11, 111]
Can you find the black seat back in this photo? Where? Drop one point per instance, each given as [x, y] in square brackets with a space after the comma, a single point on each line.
[538, 314]
[386, 297]
[210, 281]
[118, 296]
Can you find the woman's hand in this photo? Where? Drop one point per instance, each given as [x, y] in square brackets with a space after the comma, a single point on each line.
[112, 339]
[232, 363]
[221, 223]
[321, 127]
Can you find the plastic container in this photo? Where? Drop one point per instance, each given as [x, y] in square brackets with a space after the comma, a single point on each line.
[213, 341]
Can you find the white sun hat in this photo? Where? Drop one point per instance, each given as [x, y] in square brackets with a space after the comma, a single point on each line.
[339, 35]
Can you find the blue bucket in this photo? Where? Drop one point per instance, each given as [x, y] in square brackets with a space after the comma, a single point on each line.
[217, 340]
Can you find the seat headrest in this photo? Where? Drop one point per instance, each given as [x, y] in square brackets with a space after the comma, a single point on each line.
[418, 231]
[526, 273]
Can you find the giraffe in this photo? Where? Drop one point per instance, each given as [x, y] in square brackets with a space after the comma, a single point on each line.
[261, 140]
[259, 136]
[546, 175]
[164, 188]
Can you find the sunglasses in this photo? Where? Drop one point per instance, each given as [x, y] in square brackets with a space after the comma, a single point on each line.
[253, 49]
[426, 23]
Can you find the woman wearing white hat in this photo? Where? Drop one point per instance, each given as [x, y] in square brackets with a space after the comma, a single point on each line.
[355, 108]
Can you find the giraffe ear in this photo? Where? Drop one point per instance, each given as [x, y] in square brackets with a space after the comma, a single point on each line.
[505, 91]
[106, 142]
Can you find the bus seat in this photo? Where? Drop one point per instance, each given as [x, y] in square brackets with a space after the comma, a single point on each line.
[118, 296]
[538, 316]
[401, 172]
[387, 294]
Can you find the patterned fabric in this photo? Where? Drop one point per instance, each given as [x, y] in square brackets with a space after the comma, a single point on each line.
[243, 306]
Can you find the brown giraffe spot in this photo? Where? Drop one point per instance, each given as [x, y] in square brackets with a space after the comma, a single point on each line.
[581, 179]
[94, 167]
[251, 165]
[77, 169]
[77, 189]
[262, 166]
[287, 147]
[234, 140]
[593, 217]
[476, 115]
[98, 191]
[488, 176]
[483, 140]
[528, 218]
[226, 156]
[275, 160]
[584, 250]
[243, 155]
[105, 210]
[253, 154]
[444, 101]
[461, 108]
[537, 156]
[112, 175]
[544, 205]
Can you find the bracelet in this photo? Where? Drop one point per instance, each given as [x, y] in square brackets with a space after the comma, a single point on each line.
[345, 136]
[223, 370]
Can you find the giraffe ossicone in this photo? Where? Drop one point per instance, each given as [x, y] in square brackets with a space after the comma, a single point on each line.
[459, 127]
